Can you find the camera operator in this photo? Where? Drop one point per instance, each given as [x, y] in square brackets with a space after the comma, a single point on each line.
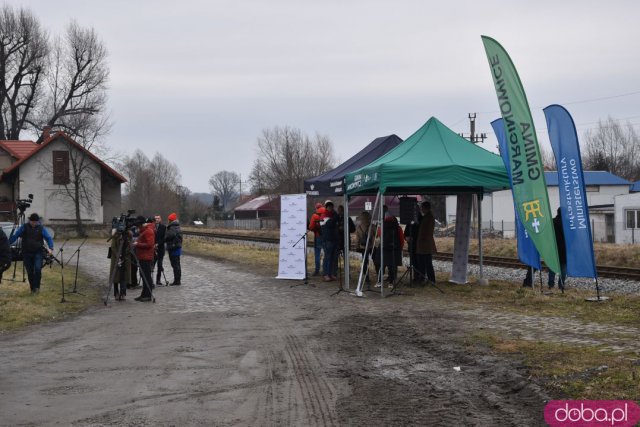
[33, 233]
[144, 248]
[173, 239]
[5, 253]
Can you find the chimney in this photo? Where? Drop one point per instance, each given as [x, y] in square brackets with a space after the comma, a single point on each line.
[46, 132]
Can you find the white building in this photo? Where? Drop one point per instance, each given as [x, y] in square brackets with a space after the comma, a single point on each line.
[627, 216]
[45, 171]
[601, 187]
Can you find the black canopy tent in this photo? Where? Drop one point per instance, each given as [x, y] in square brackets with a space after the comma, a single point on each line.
[331, 183]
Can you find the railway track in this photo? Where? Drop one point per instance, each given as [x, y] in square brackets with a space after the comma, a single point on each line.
[612, 272]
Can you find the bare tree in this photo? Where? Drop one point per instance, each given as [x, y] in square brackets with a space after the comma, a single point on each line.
[153, 185]
[548, 159]
[613, 147]
[286, 157]
[46, 84]
[77, 76]
[24, 50]
[224, 184]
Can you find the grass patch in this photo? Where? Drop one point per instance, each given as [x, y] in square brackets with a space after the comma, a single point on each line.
[571, 371]
[18, 307]
[507, 296]
[264, 260]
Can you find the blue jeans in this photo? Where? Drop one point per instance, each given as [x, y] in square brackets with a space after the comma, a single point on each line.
[330, 250]
[33, 265]
[563, 277]
[317, 249]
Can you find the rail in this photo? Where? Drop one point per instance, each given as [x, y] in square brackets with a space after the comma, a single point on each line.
[613, 272]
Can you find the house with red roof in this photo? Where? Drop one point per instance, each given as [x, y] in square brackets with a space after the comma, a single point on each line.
[46, 171]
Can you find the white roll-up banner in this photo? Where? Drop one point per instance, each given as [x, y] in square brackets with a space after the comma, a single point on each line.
[293, 229]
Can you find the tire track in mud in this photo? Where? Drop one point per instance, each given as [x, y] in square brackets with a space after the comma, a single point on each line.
[311, 384]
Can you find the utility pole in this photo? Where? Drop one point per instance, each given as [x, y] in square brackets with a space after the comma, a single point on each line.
[472, 131]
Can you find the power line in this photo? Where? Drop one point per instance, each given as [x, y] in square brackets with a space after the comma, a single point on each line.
[583, 101]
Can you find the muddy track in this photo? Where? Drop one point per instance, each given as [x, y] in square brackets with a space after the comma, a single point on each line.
[234, 348]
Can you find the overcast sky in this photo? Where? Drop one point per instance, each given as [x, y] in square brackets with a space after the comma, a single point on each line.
[197, 81]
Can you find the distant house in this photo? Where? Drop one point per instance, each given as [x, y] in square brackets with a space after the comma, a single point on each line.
[602, 188]
[267, 206]
[45, 171]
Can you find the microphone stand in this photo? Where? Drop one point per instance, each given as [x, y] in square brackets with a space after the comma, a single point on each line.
[306, 277]
[75, 280]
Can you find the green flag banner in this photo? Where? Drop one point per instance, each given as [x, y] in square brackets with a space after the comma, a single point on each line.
[528, 184]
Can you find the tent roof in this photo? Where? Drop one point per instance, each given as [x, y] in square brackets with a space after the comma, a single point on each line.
[432, 160]
[331, 183]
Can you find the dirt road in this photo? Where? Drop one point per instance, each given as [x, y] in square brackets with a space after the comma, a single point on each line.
[230, 347]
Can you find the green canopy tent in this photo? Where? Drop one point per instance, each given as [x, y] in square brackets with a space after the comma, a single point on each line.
[434, 160]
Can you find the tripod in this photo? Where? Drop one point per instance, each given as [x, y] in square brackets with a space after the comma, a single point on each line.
[16, 251]
[341, 288]
[303, 239]
[75, 280]
[61, 264]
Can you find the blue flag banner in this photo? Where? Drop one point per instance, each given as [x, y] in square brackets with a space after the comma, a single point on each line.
[527, 251]
[573, 198]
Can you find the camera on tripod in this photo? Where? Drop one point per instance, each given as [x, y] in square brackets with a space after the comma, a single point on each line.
[124, 222]
[23, 204]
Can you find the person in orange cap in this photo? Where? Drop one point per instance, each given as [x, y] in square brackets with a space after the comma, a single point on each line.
[173, 240]
[314, 225]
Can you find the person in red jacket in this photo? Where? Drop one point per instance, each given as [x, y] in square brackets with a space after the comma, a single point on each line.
[145, 248]
[314, 225]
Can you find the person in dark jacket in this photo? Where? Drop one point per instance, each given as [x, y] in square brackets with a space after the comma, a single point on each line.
[426, 244]
[173, 240]
[352, 229]
[329, 227]
[411, 236]
[5, 253]
[145, 248]
[160, 230]
[392, 245]
[33, 234]
[562, 253]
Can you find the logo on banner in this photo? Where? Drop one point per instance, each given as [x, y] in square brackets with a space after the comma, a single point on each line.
[532, 209]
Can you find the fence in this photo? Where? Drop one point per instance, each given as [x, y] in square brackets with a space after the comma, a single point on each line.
[245, 224]
[602, 231]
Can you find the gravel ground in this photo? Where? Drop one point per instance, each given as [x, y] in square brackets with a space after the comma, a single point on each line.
[613, 286]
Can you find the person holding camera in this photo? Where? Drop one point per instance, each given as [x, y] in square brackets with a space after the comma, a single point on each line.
[33, 234]
[173, 239]
[145, 248]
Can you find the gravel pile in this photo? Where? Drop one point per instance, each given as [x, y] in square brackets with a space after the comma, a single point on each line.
[607, 286]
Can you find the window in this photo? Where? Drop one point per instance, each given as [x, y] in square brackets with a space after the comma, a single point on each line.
[633, 218]
[61, 168]
[592, 188]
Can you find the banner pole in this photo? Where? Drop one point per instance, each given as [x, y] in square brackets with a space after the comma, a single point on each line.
[347, 241]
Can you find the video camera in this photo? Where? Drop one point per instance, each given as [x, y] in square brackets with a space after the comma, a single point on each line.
[124, 222]
[23, 204]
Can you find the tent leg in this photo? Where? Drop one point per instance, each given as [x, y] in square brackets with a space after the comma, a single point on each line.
[346, 241]
[381, 243]
[482, 280]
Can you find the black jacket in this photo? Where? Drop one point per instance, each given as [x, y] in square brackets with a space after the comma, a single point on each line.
[562, 249]
[5, 249]
[173, 236]
[161, 230]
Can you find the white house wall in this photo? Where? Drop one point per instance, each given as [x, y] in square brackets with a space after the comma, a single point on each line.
[497, 208]
[622, 203]
[36, 178]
